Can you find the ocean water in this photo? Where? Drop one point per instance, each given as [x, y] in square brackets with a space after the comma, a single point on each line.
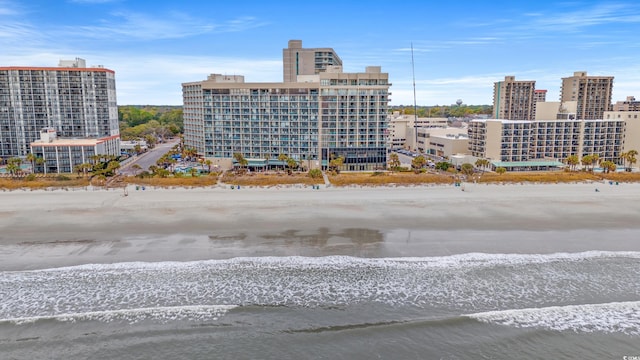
[581, 305]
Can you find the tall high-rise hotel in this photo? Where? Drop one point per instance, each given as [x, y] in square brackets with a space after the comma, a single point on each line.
[317, 113]
[75, 101]
[591, 93]
[515, 99]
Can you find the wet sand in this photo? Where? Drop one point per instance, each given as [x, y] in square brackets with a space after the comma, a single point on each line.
[44, 229]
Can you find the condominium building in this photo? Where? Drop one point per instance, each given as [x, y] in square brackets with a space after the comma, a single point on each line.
[64, 155]
[591, 93]
[327, 115]
[75, 100]
[299, 61]
[514, 99]
[539, 96]
[630, 104]
[632, 127]
[524, 142]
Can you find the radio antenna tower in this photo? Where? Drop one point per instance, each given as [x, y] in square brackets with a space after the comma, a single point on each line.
[415, 105]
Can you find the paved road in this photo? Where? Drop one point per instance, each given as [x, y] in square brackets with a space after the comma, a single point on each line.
[149, 158]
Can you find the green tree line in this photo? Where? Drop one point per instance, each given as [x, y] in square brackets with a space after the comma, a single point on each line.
[444, 111]
[147, 122]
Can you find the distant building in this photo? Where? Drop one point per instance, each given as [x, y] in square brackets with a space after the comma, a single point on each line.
[443, 142]
[539, 96]
[311, 120]
[592, 94]
[526, 144]
[630, 104]
[129, 147]
[299, 61]
[64, 155]
[514, 100]
[401, 132]
[76, 101]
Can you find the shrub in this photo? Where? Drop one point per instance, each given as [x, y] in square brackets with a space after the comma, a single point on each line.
[62, 178]
[315, 173]
[30, 177]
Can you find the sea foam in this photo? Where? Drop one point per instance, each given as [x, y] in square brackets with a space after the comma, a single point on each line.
[162, 314]
[615, 317]
[467, 283]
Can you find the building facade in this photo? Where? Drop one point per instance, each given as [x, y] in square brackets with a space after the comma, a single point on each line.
[551, 140]
[630, 104]
[329, 115]
[299, 61]
[592, 94]
[64, 155]
[442, 142]
[76, 101]
[514, 99]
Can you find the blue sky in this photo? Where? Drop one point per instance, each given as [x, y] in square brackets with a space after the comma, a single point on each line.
[460, 47]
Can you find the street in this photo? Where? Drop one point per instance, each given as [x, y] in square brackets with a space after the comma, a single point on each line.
[148, 159]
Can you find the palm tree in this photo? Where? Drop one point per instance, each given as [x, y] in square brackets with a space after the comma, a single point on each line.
[266, 160]
[628, 157]
[418, 163]
[596, 160]
[13, 165]
[482, 164]
[631, 158]
[336, 162]
[31, 157]
[135, 168]
[394, 161]
[291, 164]
[242, 162]
[12, 168]
[41, 161]
[572, 161]
[283, 158]
[623, 157]
[208, 163]
[466, 169]
[587, 161]
[608, 166]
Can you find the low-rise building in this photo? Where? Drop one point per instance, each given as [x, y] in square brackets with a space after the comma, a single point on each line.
[528, 144]
[443, 142]
[63, 155]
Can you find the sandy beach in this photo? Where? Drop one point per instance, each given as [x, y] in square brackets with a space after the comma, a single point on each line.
[43, 229]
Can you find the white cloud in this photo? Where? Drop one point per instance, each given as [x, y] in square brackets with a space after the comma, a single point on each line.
[93, 1]
[137, 26]
[157, 79]
[585, 17]
[8, 8]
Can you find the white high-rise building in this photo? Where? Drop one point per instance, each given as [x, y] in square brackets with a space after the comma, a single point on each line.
[75, 100]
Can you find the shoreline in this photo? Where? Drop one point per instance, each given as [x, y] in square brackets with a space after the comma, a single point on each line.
[43, 229]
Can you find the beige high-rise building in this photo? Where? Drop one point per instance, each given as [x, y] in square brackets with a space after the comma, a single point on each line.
[299, 61]
[592, 94]
[319, 117]
[514, 100]
[631, 104]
